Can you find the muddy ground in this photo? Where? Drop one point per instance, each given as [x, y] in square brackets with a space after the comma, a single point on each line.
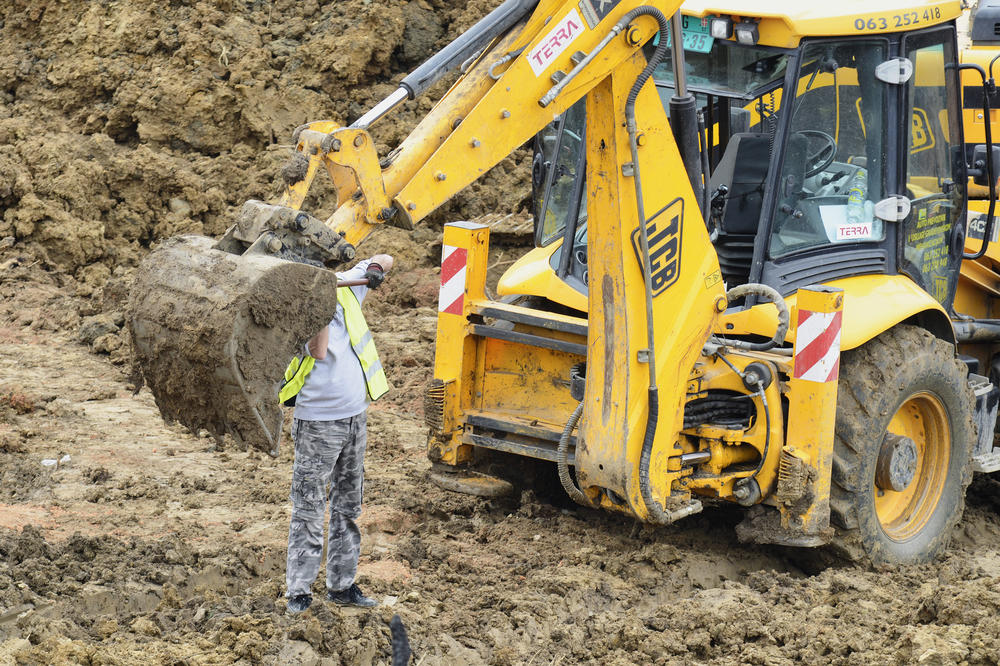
[124, 540]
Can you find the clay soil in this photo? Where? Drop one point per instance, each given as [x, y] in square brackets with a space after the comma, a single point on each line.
[123, 123]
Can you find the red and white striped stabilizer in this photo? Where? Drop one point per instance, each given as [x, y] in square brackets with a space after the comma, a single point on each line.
[451, 298]
[817, 346]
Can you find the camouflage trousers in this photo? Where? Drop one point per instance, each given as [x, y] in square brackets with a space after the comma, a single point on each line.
[326, 452]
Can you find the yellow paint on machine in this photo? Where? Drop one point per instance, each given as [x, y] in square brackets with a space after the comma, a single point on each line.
[865, 311]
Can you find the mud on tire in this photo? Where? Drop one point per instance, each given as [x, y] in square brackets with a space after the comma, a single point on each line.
[906, 382]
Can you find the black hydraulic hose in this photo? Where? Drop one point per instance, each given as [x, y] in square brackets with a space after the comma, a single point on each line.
[654, 60]
[703, 145]
[653, 507]
[562, 460]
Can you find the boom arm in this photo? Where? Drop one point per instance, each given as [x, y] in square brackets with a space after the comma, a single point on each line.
[486, 115]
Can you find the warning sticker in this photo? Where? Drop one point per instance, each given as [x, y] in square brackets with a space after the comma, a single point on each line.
[861, 231]
[555, 42]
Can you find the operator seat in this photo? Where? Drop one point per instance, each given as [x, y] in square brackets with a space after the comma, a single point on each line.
[742, 169]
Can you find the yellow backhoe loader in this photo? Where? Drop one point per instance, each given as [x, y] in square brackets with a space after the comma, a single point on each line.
[751, 227]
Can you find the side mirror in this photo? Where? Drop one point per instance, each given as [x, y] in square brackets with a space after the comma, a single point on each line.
[978, 169]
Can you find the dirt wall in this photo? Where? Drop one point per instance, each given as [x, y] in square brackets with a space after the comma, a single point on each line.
[127, 122]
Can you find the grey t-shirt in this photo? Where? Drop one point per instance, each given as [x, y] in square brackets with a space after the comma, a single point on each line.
[335, 389]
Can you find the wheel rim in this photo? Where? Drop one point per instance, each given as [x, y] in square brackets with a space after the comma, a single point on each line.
[904, 514]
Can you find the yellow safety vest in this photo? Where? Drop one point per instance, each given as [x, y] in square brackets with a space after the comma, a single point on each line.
[295, 377]
[361, 343]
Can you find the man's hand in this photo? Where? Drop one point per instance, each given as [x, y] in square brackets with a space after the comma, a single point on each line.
[375, 275]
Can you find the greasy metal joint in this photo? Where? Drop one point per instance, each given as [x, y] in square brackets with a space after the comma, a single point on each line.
[746, 491]
[633, 35]
[331, 144]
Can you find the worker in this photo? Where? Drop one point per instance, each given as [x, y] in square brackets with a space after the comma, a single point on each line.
[330, 437]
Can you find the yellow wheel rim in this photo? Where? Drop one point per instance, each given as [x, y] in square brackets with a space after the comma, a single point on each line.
[905, 513]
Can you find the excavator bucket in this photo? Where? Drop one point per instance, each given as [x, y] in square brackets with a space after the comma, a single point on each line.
[212, 330]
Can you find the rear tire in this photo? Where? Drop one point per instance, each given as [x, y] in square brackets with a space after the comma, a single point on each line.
[908, 383]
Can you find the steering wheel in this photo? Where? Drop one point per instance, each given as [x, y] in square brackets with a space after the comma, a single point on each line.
[824, 156]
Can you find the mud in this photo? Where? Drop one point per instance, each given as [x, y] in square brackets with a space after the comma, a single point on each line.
[151, 545]
[122, 124]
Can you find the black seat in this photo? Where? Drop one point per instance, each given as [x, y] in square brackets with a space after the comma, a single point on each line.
[743, 170]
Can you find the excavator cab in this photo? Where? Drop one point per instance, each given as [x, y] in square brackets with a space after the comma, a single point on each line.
[807, 177]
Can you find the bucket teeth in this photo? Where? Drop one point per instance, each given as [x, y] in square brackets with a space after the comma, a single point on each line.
[212, 333]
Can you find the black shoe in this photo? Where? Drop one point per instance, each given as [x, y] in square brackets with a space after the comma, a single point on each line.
[352, 596]
[298, 603]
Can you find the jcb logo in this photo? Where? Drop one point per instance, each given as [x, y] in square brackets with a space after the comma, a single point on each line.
[664, 232]
[922, 136]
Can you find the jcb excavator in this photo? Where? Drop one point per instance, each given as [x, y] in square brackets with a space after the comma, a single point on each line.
[752, 282]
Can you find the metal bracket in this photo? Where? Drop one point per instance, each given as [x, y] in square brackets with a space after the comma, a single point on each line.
[894, 71]
[893, 209]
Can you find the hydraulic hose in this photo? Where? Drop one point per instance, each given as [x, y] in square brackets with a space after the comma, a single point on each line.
[562, 460]
[770, 296]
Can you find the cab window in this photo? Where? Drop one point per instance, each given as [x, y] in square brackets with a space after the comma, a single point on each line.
[834, 153]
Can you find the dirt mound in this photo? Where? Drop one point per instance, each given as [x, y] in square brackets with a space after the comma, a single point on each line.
[127, 123]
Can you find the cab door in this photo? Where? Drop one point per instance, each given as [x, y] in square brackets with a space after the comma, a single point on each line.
[932, 237]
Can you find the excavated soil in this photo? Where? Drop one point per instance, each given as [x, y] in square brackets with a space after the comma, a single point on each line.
[125, 540]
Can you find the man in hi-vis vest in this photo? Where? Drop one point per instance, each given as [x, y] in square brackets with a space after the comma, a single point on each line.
[342, 374]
